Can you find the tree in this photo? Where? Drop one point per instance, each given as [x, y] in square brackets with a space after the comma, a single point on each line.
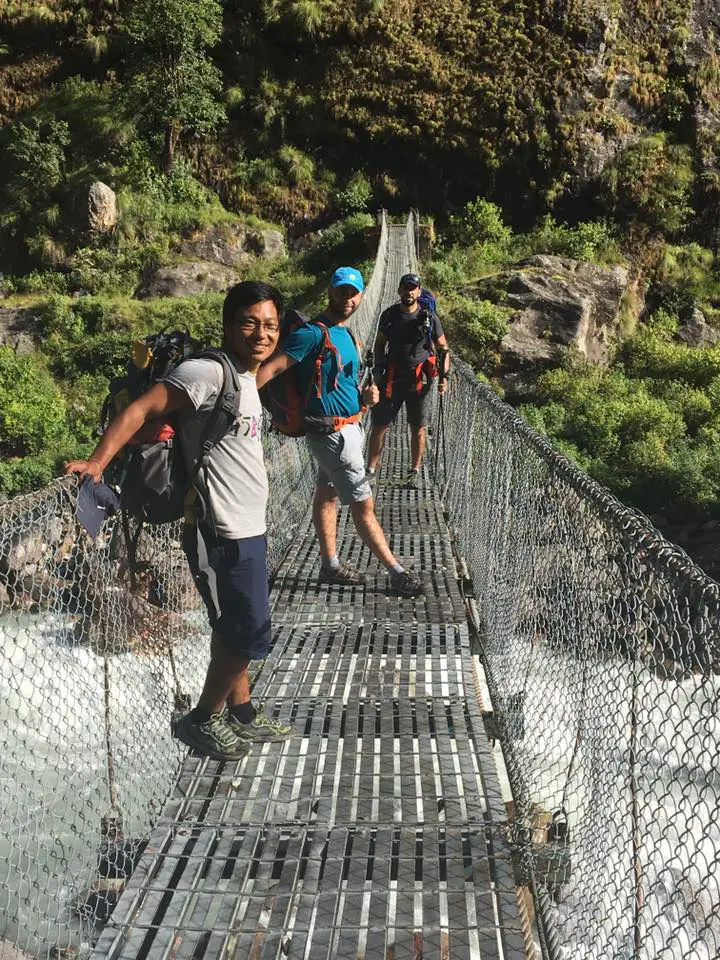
[175, 85]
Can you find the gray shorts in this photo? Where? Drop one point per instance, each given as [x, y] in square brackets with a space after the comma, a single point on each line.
[341, 462]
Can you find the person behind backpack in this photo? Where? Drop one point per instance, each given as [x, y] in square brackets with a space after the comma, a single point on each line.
[339, 453]
[409, 344]
[226, 549]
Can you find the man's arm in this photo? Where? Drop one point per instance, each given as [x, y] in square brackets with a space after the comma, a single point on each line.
[443, 349]
[380, 344]
[158, 401]
[272, 368]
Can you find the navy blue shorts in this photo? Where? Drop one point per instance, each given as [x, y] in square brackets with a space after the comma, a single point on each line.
[232, 578]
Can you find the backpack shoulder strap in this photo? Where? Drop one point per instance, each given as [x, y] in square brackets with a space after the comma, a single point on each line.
[225, 411]
[326, 347]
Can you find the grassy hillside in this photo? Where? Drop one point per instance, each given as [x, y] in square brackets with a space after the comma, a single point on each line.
[591, 126]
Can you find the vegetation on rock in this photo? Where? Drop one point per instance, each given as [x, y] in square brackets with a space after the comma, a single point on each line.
[584, 130]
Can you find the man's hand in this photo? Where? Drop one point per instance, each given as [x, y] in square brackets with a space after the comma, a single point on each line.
[86, 468]
[370, 396]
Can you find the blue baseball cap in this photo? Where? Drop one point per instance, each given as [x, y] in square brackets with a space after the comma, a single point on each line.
[348, 276]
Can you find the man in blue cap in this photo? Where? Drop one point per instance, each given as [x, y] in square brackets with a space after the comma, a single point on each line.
[339, 454]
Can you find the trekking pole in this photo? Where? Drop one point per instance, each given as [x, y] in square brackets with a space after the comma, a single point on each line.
[369, 363]
[442, 360]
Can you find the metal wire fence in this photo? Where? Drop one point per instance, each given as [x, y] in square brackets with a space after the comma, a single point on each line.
[91, 673]
[602, 645]
[599, 638]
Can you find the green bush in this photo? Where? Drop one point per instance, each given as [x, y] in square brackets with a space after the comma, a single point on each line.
[20, 475]
[201, 316]
[59, 320]
[646, 355]
[342, 243]
[594, 241]
[38, 281]
[649, 183]
[654, 442]
[355, 197]
[480, 222]
[686, 277]
[456, 267]
[475, 329]
[33, 422]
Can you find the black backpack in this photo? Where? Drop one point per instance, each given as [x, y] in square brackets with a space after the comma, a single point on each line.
[152, 474]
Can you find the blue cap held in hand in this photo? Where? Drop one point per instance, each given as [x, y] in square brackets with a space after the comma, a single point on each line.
[348, 276]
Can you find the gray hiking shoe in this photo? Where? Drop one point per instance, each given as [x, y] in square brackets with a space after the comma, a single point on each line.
[371, 478]
[263, 729]
[344, 575]
[406, 584]
[213, 738]
[412, 478]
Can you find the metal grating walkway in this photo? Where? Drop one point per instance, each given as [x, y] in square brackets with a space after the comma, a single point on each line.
[378, 831]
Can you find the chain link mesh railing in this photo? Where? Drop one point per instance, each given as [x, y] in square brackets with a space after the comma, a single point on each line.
[91, 672]
[602, 647]
[600, 641]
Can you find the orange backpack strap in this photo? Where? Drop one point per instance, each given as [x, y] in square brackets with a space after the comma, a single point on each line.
[328, 347]
[390, 380]
[429, 367]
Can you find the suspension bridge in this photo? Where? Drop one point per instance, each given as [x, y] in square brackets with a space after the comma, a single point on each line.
[555, 623]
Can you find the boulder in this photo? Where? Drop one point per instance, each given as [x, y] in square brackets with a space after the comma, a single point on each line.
[187, 280]
[557, 302]
[697, 332]
[18, 329]
[267, 243]
[102, 208]
[222, 243]
[233, 243]
[26, 551]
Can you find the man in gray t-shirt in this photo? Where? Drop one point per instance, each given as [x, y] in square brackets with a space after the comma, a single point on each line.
[236, 477]
[225, 544]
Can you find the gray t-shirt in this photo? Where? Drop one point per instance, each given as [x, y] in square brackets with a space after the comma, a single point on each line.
[236, 477]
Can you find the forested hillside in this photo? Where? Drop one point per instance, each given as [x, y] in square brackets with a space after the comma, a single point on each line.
[141, 136]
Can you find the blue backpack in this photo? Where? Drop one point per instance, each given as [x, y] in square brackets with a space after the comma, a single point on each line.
[427, 300]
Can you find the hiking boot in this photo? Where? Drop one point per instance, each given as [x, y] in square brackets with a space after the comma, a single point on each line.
[371, 478]
[263, 729]
[344, 575]
[406, 584]
[213, 738]
[412, 478]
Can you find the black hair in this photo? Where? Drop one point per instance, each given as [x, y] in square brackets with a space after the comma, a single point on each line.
[245, 294]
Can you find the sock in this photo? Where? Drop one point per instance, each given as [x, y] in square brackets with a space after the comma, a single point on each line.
[243, 712]
[331, 563]
[371, 471]
[415, 470]
[198, 715]
[398, 568]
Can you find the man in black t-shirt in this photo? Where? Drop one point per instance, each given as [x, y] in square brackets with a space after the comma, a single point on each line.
[408, 347]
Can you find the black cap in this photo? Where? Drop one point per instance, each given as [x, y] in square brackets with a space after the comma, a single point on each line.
[410, 280]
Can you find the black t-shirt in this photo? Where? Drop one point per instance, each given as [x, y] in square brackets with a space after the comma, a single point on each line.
[407, 336]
